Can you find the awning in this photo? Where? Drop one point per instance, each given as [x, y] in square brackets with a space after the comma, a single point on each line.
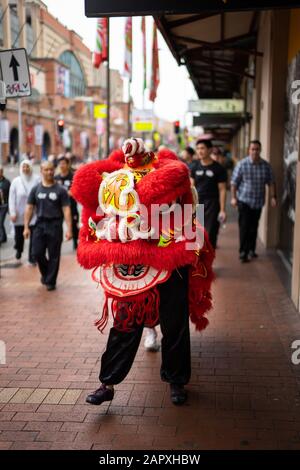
[215, 47]
[98, 8]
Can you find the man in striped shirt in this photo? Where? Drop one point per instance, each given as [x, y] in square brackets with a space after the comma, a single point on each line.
[248, 188]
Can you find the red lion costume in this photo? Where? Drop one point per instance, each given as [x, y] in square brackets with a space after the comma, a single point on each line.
[132, 265]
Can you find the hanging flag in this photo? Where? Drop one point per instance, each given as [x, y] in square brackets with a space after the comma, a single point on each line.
[100, 54]
[155, 66]
[144, 51]
[128, 48]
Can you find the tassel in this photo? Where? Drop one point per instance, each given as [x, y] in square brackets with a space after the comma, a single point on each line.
[102, 322]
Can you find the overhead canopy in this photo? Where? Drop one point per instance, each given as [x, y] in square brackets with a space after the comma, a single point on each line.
[219, 50]
[98, 8]
[215, 47]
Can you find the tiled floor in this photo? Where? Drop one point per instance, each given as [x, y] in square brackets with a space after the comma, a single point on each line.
[244, 391]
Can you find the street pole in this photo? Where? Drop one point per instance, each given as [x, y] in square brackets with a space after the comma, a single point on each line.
[129, 108]
[1, 138]
[20, 139]
[108, 92]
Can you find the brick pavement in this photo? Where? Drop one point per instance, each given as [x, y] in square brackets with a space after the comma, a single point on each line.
[244, 392]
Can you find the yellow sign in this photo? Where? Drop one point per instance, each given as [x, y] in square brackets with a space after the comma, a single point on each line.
[140, 126]
[100, 111]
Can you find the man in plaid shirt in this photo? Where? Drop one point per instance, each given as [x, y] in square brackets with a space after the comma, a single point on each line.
[248, 188]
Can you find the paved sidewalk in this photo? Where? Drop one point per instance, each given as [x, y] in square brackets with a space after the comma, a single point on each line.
[244, 392]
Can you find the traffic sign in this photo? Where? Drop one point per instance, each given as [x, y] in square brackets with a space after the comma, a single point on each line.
[15, 73]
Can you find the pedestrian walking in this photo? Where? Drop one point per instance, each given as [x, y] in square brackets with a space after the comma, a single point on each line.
[52, 205]
[248, 187]
[210, 178]
[4, 194]
[65, 176]
[18, 195]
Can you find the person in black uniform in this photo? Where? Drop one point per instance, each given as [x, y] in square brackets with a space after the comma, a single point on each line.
[65, 177]
[4, 192]
[52, 205]
[210, 179]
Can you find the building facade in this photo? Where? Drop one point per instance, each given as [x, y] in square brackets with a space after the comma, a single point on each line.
[272, 101]
[64, 86]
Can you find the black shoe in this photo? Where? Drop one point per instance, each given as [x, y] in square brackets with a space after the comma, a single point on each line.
[252, 254]
[245, 259]
[50, 287]
[18, 255]
[100, 395]
[178, 394]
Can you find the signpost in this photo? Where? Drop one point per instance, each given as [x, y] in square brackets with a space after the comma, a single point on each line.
[15, 73]
[16, 76]
[99, 8]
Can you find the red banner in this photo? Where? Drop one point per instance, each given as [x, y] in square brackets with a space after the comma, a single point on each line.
[128, 48]
[100, 54]
[155, 66]
[144, 51]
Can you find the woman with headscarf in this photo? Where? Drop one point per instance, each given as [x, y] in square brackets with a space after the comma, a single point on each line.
[18, 194]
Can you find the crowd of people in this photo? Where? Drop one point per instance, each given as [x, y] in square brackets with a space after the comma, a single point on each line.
[37, 206]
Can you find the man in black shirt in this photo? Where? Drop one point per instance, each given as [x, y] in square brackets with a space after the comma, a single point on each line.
[52, 205]
[210, 178]
[65, 177]
[4, 191]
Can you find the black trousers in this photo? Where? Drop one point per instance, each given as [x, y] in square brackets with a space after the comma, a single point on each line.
[3, 212]
[47, 238]
[211, 222]
[248, 225]
[75, 229]
[121, 347]
[19, 241]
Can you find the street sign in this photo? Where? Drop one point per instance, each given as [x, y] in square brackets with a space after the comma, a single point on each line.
[15, 73]
[99, 8]
[142, 126]
[217, 106]
[100, 111]
[142, 120]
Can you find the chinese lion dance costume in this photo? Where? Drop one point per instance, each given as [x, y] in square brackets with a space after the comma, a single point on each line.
[118, 241]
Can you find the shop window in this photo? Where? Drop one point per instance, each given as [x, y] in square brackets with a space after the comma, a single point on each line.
[29, 31]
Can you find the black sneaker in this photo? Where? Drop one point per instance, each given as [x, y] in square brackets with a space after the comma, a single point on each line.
[18, 255]
[50, 287]
[100, 395]
[178, 394]
[252, 254]
[245, 259]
